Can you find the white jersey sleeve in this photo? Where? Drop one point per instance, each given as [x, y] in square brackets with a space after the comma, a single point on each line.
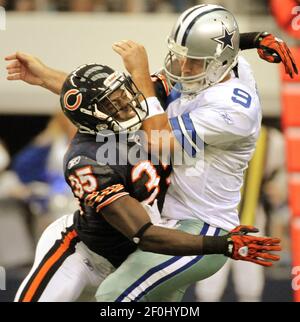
[212, 127]
[221, 116]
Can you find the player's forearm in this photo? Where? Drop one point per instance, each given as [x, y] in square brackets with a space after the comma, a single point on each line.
[144, 83]
[128, 216]
[174, 242]
[53, 80]
[159, 137]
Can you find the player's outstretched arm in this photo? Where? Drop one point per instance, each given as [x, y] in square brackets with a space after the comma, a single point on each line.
[32, 71]
[135, 60]
[271, 49]
[128, 216]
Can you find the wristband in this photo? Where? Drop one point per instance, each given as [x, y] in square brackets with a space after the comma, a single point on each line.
[249, 40]
[216, 245]
[154, 107]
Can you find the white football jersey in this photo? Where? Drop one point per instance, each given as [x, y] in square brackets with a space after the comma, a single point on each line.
[218, 130]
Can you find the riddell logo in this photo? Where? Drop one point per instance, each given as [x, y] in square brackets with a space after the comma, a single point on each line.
[2, 279]
[2, 19]
[296, 20]
[296, 279]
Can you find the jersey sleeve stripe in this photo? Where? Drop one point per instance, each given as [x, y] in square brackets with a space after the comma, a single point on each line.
[183, 140]
[110, 200]
[190, 128]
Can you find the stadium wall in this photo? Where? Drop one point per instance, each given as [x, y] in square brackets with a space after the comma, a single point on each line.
[66, 40]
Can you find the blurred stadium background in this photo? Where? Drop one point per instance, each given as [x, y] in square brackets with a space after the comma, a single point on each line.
[34, 136]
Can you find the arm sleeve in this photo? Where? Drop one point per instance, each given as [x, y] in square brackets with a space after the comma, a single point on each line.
[95, 185]
[248, 40]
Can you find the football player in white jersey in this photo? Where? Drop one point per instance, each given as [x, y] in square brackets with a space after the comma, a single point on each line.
[216, 120]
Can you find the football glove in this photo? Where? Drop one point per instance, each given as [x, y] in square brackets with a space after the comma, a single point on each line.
[275, 50]
[250, 248]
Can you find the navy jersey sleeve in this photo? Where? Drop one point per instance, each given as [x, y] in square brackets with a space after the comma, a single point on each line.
[94, 185]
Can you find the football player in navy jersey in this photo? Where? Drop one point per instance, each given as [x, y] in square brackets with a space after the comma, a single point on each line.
[108, 107]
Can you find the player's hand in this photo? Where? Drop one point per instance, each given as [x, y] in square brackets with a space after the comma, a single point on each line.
[26, 67]
[135, 60]
[134, 57]
[275, 50]
[252, 249]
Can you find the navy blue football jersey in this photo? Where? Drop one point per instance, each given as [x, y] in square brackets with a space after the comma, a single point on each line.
[96, 184]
